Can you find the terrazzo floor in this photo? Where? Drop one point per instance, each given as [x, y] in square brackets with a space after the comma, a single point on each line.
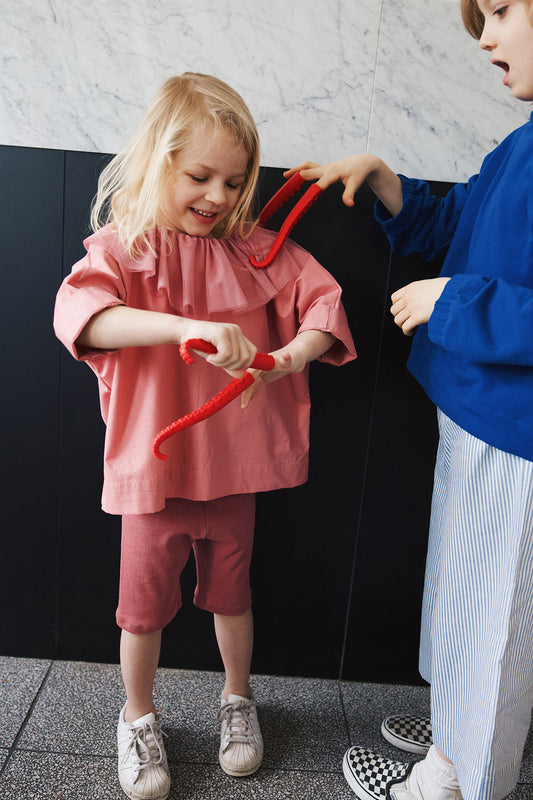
[58, 720]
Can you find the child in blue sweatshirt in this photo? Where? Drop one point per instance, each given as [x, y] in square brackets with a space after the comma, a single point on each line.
[473, 354]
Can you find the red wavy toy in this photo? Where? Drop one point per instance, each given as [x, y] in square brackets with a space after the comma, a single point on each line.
[261, 361]
[282, 195]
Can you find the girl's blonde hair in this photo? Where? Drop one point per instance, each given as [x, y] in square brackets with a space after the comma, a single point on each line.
[473, 18]
[130, 188]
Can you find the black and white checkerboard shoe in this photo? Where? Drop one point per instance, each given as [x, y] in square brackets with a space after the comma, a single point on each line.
[412, 734]
[370, 775]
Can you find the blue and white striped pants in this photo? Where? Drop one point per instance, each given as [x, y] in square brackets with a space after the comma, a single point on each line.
[476, 645]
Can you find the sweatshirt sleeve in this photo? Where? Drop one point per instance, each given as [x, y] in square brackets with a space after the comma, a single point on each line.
[484, 320]
[425, 223]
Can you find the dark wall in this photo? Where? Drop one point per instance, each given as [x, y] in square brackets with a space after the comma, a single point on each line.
[338, 563]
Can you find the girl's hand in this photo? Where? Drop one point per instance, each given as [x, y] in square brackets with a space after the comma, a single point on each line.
[353, 172]
[294, 357]
[286, 364]
[412, 305]
[234, 351]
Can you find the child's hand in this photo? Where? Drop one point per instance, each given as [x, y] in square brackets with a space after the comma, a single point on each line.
[294, 357]
[412, 305]
[234, 351]
[286, 364]
[353, 172]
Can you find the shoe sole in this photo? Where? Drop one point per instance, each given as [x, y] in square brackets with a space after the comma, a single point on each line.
[138, 797]
[359, 790]
[239, 774]
[408, 745]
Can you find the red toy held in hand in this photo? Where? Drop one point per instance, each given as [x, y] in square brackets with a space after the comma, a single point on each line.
[261, 361]
[282, 195]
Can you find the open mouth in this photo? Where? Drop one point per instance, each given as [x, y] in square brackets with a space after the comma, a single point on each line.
[502, 64]
[204, 214]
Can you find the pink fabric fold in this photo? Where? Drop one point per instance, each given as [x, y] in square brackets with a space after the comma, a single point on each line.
[202, 277]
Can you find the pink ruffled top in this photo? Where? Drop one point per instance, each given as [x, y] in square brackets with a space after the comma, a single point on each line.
[143, 389]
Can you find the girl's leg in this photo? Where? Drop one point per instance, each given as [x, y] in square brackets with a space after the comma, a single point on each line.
[241, 743]
[235, 641]
[139, 656]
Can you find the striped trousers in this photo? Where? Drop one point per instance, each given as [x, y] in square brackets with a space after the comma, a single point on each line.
[476, 647]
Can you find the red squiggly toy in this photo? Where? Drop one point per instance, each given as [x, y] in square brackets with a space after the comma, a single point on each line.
[282, 195]
[261, 361]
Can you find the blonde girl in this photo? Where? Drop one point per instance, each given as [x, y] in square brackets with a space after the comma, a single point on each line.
[170, 261]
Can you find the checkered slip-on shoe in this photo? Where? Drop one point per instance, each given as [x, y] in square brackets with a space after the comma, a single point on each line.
[412, 734]
[370, 775]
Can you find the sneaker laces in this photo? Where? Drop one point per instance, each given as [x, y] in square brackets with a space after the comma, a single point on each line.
[235, 717]
[146, 746]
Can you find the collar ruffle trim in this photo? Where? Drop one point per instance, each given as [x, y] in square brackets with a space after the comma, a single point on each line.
[203, 276]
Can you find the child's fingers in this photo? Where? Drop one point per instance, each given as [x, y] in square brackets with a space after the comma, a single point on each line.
[351, 186]
[234, 350]
[255, 388]
[262, 377]
[305, 167]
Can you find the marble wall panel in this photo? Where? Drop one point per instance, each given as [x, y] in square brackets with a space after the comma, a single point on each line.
[79, 75]
[323, 79]
[439, 106]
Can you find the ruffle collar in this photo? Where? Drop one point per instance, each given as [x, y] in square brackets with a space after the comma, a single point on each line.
[203, 276]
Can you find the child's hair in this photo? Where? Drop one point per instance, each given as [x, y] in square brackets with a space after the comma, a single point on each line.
[131, 186]
[473, 18]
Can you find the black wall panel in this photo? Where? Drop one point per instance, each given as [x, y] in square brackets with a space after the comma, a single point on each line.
[89, 540]
[31, 235]
[382, 630]
[337, 562]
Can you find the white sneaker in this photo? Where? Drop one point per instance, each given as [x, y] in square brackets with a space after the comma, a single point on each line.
[142, 761]
[241, 743]
[430, 779]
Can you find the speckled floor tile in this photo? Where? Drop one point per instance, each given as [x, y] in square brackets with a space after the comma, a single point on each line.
[188, 703]
[54, 776]
[77, 710]
[20, 679]
[367, 705]
[210, 783]
[41, 776]
[522, 792]
[302, 722]
[526, 770]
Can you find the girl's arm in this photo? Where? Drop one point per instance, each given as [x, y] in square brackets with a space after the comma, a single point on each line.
[294, 357]
[122, 326]
[353, 172]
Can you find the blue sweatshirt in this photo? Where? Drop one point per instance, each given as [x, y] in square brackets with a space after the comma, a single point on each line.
[474, 357]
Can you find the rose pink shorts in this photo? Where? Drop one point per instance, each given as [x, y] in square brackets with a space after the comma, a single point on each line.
[156, 547]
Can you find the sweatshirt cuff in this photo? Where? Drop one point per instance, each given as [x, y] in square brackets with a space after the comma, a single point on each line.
[390, 224]
[441, 312]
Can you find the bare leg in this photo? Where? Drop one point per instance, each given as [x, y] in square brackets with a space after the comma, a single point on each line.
[235, 637]
[139, 656]
[441, 754]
